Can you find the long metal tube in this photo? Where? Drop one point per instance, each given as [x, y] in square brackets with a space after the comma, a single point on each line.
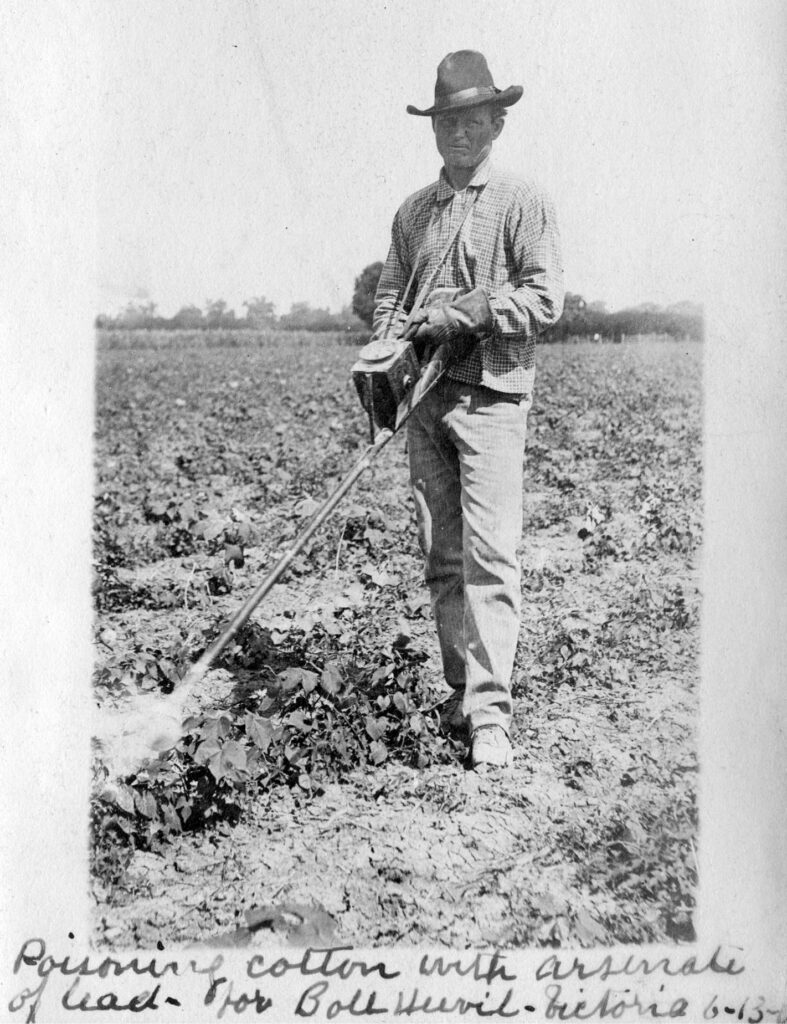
[431, 374]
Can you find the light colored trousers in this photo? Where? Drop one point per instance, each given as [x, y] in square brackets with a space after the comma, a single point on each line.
[466, 447]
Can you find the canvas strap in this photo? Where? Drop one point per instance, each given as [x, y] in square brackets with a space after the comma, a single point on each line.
[422, 294]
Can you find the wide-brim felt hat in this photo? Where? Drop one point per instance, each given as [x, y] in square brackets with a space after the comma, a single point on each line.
[464, 80]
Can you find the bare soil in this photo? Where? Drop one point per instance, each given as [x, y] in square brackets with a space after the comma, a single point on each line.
[590, 837]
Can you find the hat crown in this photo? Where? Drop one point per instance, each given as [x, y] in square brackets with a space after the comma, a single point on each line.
[465, 69]
[464, 80]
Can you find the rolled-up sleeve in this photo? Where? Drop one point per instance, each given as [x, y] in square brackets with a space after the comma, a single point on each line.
[532, 300]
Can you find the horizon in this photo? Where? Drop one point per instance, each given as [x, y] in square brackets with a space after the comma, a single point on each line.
[139, 301]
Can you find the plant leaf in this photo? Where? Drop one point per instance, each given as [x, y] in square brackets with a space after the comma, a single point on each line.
[374, 727]
[331, 679]
[259, 730]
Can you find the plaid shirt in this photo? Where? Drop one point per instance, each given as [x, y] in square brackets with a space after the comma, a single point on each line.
[508, 245]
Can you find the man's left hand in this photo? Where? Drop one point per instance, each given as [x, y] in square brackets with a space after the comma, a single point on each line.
[458, 323]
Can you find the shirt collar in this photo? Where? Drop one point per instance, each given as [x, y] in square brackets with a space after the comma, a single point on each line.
[479, 179]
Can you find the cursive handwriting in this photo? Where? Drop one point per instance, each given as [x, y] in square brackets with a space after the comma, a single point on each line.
[359, 1005]
[33, 954]
[239, 1002]
[554, 969]
[323, 962]
[74, 999]
[340, 983]
[477, 967]
[409, 1004]
[610, 1005]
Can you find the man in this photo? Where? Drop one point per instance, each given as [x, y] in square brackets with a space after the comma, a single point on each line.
[489, 243]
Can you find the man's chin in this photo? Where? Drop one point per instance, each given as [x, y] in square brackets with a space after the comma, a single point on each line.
[461, 162]
[464, 161]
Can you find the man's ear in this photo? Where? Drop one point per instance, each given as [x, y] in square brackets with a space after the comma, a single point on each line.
[497, 127]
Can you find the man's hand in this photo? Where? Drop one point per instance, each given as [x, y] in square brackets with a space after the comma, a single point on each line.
[458, 323]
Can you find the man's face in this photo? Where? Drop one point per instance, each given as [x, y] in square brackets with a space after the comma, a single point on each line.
[464, 137]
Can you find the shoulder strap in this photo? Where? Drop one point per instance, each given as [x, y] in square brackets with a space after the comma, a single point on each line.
[424, 291]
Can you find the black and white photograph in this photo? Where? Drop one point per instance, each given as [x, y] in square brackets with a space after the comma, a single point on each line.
[397, 533]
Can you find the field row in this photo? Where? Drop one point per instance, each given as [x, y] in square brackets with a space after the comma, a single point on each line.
[209, 459]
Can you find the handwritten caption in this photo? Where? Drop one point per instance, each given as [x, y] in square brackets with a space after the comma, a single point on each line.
[341, 984]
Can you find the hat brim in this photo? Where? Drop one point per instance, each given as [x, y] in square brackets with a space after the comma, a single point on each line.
[505, 97]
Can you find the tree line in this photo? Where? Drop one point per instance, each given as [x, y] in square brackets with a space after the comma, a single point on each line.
[260, 314]
[580, 319]
[583, 319]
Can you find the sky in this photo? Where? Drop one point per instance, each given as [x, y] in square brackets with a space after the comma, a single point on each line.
[249, 148]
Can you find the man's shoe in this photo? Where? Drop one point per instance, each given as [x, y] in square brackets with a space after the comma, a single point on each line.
[451, 710]
[491, 747]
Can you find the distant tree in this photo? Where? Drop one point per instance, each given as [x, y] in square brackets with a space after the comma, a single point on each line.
[303, 317]
[685, 320]
[347, 320]
[137, 315]
[299, 318]
[573, 304]
[188, 318]
[260, 312]
[214, 312]
[363, 295]
[218, 315]
[596, 319]
[573, 321]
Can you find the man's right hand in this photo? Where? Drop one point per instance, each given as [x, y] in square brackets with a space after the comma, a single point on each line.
[458, 323]
[418, 319]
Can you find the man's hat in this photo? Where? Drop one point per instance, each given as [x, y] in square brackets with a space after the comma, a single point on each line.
[464, 80]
